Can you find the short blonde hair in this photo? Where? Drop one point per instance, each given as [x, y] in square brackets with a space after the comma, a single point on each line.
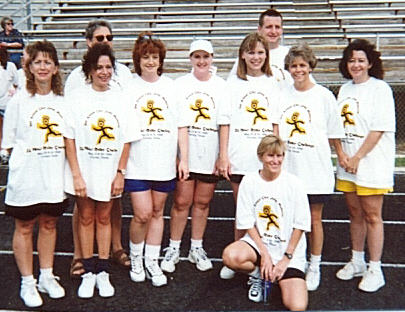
[271, 143]
[303, 51]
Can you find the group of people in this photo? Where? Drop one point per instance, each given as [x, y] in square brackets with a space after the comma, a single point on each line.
[267, 129]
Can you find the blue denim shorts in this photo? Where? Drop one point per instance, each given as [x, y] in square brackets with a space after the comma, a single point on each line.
[132, 185]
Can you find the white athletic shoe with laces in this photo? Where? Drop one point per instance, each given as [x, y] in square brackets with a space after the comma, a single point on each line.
[105, 289]
[137, 272]
[199, 257]
[170, 260]
[50, 286]
[86, 288]
[29, 294]
[154, 273]
[351, 270]
[256, 289]
[372, 281]
[226, 273]
[313, 278]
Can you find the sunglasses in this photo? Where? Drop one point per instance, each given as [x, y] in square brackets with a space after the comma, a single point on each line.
[9, 23]
[100, 38]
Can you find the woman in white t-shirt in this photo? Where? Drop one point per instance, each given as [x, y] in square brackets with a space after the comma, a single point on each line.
[307, 123]
[273, 210]
[33, 127]
[200, 98]
[365, 174]
[252, 109]
[100, 127]
[151, 172]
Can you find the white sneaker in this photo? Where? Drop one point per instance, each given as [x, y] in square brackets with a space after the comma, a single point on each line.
[86, 288]
[29, 294]
[372, 281]
[351, 270]
[49, 285]
[313, 278]
[137, 272]
[105, 289]
[256, 289]
[199, 257]
[226, 273]
[154, 273]
[170, 260]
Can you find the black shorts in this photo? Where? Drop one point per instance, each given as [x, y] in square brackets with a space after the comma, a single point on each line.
[318, 198]
[206, 178]
[236, 178]
[27, 213]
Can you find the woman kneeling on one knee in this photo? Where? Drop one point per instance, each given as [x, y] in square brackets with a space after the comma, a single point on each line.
[273, 208]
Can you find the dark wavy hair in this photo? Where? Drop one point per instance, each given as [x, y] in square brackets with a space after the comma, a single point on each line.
[145, 44]
[373, 57]
[248, 44]
[90, 58]
[303, 51]
[3, 57]
[49, 50]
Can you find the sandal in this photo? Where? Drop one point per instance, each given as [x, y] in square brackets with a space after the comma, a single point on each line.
[76, 268]
[121, 258]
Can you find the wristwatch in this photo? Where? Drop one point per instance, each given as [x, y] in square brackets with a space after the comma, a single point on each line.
[122, 171]
[288, 255]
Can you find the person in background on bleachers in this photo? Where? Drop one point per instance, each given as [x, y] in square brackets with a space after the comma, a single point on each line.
[22, 79]
[100, 128]
[271, 28]
[99, 31]
[365, 174]
[308, 124]
[8, 82]
[252, 109]
[200, 98]
[273, 210]
[33, 127]
[11, 39]
[151, 172]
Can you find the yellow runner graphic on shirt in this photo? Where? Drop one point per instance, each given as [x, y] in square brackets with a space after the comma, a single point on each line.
[296, 123]
[346, 114]
[254, 108]
[198, 107]
[150, 109]
[267, 214]
[46, 125]
[101, 127]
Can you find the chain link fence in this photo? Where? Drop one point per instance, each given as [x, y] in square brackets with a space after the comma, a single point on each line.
[399, 97]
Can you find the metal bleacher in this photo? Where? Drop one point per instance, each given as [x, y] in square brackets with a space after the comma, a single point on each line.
[327, 25]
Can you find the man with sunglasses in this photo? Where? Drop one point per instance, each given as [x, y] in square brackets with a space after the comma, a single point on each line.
[99, 31]
[11, 39]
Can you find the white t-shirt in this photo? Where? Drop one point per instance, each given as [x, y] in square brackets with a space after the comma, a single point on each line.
[366, 107]
[307, 120]
[33, 127]
[276, 61]
[275, 208]
[251, 110]
[120, 78]
[22, 79]
[8, 78]
[200, 101]
[154, 157]
[100, 123]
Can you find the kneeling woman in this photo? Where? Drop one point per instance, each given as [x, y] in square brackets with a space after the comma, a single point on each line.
[33, 128]
[273, 208]
[100, 127]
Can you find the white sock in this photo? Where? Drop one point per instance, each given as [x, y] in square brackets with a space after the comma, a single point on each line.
[315, 261]
[136, 249]
[45, 272]
[358, 257]
[152, 252]
[175, 243]
[27, 278]
[196, 243]
[375, 265]
[255, 272]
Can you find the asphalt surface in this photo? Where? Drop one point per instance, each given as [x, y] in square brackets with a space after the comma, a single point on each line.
[191, 290]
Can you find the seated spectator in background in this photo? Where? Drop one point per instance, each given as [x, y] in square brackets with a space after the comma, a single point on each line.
[11, 39]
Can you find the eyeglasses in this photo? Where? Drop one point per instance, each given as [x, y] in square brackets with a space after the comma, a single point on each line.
[9, 23]
[100, 38]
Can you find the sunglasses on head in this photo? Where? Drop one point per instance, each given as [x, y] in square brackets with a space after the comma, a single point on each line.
[100, 38]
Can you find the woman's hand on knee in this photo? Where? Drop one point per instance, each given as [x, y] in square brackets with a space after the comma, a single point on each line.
[266, 266]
